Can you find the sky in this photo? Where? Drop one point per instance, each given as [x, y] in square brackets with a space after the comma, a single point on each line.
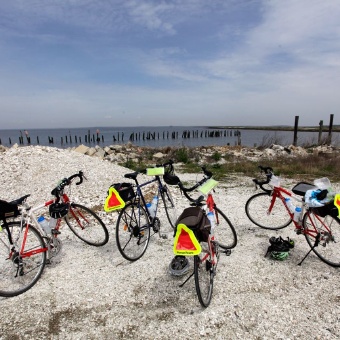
[84, 63]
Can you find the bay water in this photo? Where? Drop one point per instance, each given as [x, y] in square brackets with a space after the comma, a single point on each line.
[161, 136]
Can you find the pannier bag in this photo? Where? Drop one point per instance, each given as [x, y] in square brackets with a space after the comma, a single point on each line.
[196, 220]
[328, 209]
[8, 209]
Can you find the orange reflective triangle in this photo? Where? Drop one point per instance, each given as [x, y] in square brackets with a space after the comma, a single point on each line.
[113, 201]
[337, 202]
[186, 242]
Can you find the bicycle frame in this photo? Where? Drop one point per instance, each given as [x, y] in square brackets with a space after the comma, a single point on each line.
[278, 192]
[140, 196]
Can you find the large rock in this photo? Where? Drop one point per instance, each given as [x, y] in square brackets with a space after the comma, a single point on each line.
[82, 149]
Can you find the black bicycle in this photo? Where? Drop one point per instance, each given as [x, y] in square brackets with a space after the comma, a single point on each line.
[136, 221]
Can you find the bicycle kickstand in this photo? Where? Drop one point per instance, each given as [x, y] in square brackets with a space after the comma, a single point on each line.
[316, 243]
[182, 284]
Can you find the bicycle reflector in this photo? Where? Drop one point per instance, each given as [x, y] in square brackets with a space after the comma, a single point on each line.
[186, 242]
[155, 171]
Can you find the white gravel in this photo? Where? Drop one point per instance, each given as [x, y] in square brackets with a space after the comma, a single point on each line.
[91, 293]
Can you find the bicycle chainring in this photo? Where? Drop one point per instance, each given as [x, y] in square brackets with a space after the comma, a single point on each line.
[156, 224]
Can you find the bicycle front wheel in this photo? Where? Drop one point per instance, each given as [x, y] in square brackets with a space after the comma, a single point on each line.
[132, 231]
[20, 272]
[169, 206]
[87, 225]
[328, 229]
[224, 231]
[204, 278]
[257, 208]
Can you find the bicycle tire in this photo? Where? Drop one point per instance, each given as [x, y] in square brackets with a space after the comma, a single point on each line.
[132, 231]
[87, 225]
[29, 268]
[224, 231]
[257, 211]
[328, 249]
[204, 278]
[169, 206]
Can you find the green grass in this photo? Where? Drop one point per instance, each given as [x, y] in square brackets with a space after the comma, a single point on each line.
[304, 168]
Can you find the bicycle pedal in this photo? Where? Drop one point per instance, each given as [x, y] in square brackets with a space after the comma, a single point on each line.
[227, 252]
[55, 232]
[298, 231]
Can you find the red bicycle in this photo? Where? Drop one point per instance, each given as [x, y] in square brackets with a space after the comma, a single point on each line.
[25, 247]
[320, 226]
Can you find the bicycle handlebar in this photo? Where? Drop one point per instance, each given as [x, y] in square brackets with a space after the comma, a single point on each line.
[67, 181]
[207, 175]
[269, 172]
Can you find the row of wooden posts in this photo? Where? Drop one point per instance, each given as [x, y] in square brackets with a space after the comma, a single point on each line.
[173, 135]
[139, 136]
[330, 129]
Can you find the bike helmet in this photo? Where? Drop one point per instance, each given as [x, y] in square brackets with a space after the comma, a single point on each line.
[58, 210]
[279, 248]
[179, 266]
[279, 255]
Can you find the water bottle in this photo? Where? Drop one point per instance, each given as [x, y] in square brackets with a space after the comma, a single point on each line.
[149, 207]
[52, 223]
[297, 214]
[44, 224]
[154, 206]
[211, 218]
[290, 205]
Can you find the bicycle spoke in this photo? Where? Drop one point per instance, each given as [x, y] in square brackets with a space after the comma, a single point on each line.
[132, 232]
[257, 211]
[170, 209]
[328, 229]
[87, 225]
[18, 273]
[204, 278]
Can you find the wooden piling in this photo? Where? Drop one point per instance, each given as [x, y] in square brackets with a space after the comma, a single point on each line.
[329, 140]
[295, 130]
[320, 132]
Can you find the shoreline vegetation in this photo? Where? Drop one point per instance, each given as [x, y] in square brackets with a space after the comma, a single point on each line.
[296, 162]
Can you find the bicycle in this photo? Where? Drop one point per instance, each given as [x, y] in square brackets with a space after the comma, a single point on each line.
[320, 226]
[25, 247]
[135, 221]
[221, 238]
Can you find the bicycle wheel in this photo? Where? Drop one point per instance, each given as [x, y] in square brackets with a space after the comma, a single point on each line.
[204, 278]
[169, 206]
[224, 231]
[257, 211]
[19, 273]
[132, 232]
[87, 225]
[328, 249]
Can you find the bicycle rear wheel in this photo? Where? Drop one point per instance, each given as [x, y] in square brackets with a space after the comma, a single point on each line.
[257, 211]
[20, 272]
[204, 278]
[224, 231]
[169, 206]
[328, 249]
[132, 231]
[87, 225]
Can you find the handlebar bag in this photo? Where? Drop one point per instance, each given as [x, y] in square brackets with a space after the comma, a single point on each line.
[195, 219]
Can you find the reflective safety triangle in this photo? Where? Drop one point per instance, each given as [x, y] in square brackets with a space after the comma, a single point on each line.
[337, 202]
[186, 242]
[113, 201]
